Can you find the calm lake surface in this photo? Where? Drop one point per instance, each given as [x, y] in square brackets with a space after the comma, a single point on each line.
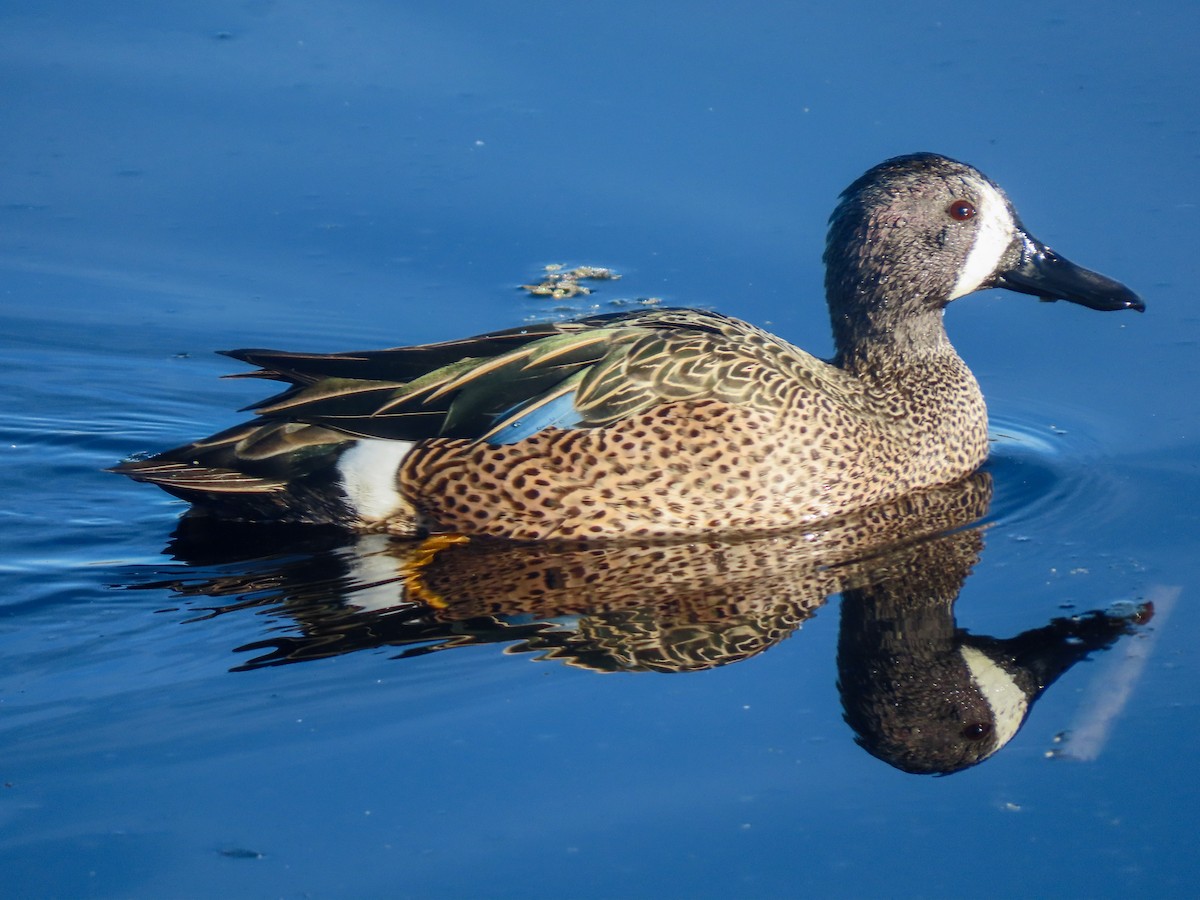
[265, 715]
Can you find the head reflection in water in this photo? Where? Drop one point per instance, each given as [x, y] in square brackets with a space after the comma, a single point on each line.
[927, 697]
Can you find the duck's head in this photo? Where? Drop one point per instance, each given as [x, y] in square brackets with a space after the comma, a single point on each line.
[918, 231]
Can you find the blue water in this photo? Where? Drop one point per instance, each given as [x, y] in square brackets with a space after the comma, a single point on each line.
[180, 180]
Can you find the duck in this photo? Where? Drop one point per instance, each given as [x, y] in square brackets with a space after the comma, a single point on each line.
[660, 423]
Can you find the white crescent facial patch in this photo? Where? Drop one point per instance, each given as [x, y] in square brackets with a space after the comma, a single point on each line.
[994, 234]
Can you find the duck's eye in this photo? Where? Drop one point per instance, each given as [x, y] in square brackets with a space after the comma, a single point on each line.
[961, 210]
[976, 731]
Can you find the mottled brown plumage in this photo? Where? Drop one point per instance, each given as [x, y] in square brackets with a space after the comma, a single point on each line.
[659, 423]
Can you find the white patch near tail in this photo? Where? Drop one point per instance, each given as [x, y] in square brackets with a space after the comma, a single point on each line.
[1005, 698]
[368, 471]
[994, 232]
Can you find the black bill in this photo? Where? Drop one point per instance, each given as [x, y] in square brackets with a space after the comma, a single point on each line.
[1045, 274]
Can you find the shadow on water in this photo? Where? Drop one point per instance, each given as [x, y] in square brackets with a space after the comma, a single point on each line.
[919, 692]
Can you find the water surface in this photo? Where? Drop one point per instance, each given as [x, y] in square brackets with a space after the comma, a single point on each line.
[327, 178]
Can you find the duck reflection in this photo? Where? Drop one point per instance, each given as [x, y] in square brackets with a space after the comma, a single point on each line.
[920, 693]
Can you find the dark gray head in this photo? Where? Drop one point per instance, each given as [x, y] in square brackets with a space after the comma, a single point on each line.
[918, 231]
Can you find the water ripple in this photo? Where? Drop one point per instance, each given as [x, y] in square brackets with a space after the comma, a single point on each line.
[1045, 472]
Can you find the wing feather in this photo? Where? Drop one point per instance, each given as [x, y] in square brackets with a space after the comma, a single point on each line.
[587, 373]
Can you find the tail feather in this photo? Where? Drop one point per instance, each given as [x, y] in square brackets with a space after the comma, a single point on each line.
[180, 476]
[253, 458]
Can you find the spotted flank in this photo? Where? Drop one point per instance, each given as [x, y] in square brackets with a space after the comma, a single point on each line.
[658, 423]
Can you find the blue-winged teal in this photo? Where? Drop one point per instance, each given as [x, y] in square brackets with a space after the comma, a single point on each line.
[657, 423]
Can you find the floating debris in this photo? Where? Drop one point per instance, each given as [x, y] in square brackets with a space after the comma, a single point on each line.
[561, 283]
[621, 302]
[564, 285]
[241, 853]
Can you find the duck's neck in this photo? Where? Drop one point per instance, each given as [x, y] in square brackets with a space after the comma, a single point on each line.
[875, 344]
[915, 376]
[884, 314]
[897, 347]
